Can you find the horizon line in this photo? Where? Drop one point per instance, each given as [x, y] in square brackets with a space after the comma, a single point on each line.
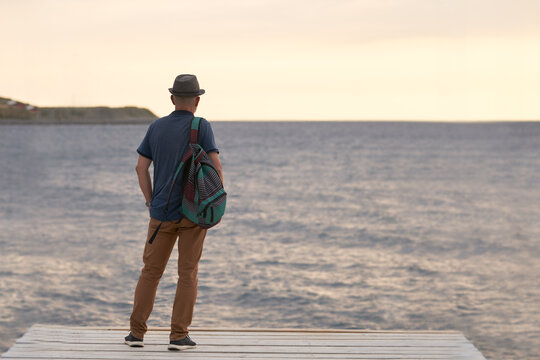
[381, 120]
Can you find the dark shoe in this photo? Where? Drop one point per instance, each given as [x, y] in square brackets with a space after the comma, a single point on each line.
[184, 344]
[133, 341]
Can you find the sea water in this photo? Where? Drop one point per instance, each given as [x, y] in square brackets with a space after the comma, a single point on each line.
[342, 225]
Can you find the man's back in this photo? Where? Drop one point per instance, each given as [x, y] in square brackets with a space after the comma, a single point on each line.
[165, 144]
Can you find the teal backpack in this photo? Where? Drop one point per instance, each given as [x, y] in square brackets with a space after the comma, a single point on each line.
[204, 198]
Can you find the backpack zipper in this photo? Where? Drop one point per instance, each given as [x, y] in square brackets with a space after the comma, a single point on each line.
[210, 203]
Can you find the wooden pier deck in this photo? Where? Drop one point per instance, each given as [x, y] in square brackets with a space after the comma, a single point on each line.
[62, 342]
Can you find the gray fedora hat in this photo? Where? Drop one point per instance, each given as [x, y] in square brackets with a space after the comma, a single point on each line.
[186, 85]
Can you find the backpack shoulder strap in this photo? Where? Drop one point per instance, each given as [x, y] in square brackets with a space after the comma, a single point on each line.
[195, 127]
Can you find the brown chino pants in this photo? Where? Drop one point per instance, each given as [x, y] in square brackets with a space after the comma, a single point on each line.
[155, 258]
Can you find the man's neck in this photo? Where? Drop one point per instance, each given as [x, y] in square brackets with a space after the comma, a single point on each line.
[184, 108]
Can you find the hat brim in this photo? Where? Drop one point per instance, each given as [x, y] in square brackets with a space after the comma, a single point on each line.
[186, 94]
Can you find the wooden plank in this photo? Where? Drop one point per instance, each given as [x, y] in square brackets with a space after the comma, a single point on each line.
[196, 356]
[270, 335]
[58, 342]
[239, 337]
[104, 333]
[30, 348]
[249, 330]
[257, 341]
[163, 353]
[263, 342]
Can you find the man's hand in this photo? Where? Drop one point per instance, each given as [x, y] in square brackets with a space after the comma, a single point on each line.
[145, 182]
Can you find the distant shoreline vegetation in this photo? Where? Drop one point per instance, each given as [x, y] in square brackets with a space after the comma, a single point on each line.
[14, 112]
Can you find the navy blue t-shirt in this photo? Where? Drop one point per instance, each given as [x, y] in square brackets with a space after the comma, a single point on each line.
[165, 143]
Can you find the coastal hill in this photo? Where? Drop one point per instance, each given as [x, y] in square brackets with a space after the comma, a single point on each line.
[16, 112]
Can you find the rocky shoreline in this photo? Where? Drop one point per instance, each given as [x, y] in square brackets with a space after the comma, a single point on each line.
[84, 115]
[18, 113]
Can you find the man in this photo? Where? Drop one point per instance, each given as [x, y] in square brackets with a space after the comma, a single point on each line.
[165, 143]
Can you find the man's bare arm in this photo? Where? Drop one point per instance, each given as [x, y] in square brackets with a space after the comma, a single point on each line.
[145, 182]
[214, 157]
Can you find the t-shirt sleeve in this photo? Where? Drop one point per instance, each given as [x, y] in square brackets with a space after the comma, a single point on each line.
[144, 149]
[206, 137]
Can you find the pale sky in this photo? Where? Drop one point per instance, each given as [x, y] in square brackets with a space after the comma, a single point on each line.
[279, 59]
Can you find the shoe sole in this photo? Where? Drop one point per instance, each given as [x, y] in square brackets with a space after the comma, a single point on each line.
[181, 347]
[134, 343]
